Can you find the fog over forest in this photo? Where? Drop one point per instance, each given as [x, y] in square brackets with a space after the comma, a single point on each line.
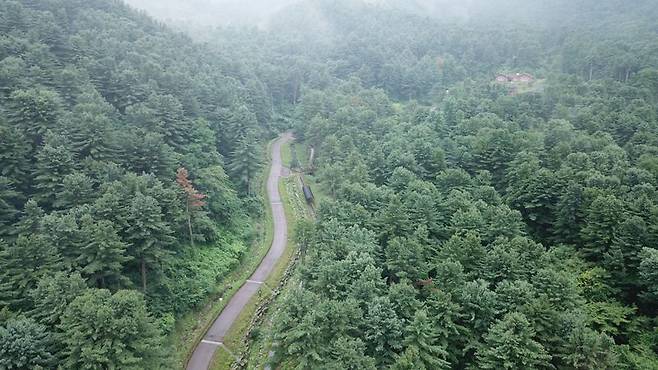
[329, 184]
[259, 12]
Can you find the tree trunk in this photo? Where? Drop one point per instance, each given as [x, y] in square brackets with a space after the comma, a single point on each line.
[591, 71]
[189, 223]
[143, 275]
[628, 74]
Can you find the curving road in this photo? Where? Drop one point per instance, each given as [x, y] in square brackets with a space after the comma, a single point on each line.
[214, 338]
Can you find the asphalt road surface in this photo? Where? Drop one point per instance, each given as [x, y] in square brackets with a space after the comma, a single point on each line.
[214, 338]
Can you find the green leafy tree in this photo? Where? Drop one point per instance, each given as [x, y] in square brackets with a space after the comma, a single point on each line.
[222, 199]
[53, 164]
[52, 295]
[25, 344]
[89, 126]
[148, 234]
[383, 331]
[649, 274]
[425, 352]
[245, 161]
[110, 331]
[9, 199]
[102, 253]
[35, 111]
[30, 220]
[22, 264]
[348, 353]
[76, 189]
[146, 152]
[602, 220]
[15, 153]
[406, 259]
[587, 349]
[509, 344]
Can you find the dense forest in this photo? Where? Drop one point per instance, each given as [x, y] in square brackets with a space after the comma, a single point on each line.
[465, 223]
[468, 223]
[125, 191]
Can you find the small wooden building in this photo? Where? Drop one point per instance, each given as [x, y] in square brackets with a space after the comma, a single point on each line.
[516, 77]
[502, 78]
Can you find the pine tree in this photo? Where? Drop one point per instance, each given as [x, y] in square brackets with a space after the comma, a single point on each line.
[649, 275]
[146, 152]
[35, 111]
[623, 258]
[15, 153]
[90, 128]
[8, 206]
[149, 236]
[422, 345]
[22, 264]
[383, 331]
[509, 344]
[110, 331]
[102, 254]
[569, 215]
[170, 119]
[25, 344]
[587, 349]
[193, 199]
[76, 189]
[30, 219]
[52, 295]
[245, 161]
[405, 259]
[53, 163]
[602, 220]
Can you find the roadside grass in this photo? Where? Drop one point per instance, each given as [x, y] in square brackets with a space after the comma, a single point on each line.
[264, 343]
[235, 340]
[191, 327]
[303, 153]
[286, 154]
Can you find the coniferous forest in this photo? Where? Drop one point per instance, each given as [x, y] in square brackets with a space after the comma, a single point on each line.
[487, 178]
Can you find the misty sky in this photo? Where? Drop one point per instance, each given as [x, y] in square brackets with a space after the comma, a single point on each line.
[212, 12]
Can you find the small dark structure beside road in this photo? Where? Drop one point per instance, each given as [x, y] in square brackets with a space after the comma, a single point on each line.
[308, 194]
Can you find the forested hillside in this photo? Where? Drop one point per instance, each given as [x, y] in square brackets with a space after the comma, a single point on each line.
[463, 222]
[478, 225]
[122, 172]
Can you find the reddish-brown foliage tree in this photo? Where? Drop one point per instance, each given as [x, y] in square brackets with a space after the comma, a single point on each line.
[193, 198]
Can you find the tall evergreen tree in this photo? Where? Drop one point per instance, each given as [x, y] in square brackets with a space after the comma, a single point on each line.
[422, 345]
[53, 163]
[52, 295]
[25, 344]
[110, 331]
[102, 253]
[245, 161]
[15, 152]
[149, 236]
[587, 349]
[509, 344]
[22, 264]
[9, 199]
[35, 111]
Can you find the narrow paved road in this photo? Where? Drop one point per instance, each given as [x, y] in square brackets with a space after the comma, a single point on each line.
[214, 338]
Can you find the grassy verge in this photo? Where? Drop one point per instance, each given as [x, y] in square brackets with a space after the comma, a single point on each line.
[191, 328]
[235, 338]
[263, 343]
[286, 154]
[303, 153]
